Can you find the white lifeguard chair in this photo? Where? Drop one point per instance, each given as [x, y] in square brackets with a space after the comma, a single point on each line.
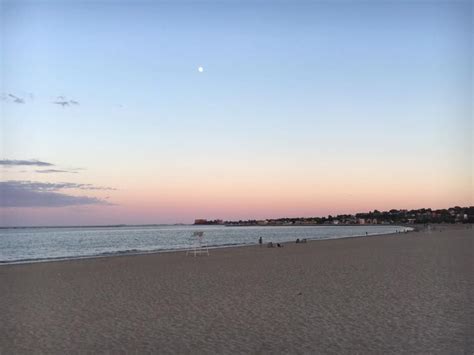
[199, 246]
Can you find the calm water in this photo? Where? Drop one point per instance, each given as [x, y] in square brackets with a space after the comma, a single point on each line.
[35, 244]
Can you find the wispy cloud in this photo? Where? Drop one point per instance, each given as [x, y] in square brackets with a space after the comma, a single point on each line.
[30, 97]
[63, 101]
[41, 194]
[53, 171]
[55, 186]
[32, 162]
[16, 99]
[11, 98]
[38, 163]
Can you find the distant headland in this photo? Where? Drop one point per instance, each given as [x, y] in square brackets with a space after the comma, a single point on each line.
[420, 216]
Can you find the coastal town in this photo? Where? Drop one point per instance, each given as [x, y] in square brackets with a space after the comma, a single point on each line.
[420, 216]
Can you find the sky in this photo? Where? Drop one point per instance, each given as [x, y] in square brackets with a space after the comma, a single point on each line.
[303, 108]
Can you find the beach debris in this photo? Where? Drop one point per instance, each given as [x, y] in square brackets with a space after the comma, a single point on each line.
[300, 293]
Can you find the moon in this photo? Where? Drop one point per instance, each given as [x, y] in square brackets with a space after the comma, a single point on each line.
[200, 69]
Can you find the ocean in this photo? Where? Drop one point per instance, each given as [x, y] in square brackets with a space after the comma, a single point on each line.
[21, 245]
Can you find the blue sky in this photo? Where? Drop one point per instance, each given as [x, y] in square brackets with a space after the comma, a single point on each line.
[373, 86]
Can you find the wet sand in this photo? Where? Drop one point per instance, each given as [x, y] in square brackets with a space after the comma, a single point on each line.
[407, 293]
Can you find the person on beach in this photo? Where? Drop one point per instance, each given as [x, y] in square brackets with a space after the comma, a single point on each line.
[260, 241]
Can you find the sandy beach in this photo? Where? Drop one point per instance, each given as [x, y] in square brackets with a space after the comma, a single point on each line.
[406, 293]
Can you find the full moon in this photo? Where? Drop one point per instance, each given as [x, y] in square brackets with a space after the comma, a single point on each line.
[200, 69]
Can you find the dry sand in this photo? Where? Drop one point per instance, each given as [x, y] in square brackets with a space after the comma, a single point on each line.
[402, 293]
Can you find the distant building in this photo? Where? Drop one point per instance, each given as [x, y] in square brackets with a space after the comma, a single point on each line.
[361, 221]
[200, 221]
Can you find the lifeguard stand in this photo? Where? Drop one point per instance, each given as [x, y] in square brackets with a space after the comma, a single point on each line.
[198, 245]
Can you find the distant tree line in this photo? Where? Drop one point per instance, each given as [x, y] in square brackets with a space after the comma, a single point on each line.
[419, 216]
[424, 215]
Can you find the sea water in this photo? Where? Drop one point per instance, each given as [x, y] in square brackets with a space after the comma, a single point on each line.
[41, 244]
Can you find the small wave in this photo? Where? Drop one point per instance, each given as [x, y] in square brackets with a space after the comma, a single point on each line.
[118, 252]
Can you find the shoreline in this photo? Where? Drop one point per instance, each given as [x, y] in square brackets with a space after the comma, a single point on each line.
[403, 293]
[165, 251]
[217, 225]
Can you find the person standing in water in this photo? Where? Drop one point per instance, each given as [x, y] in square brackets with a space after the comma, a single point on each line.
[260, 241]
